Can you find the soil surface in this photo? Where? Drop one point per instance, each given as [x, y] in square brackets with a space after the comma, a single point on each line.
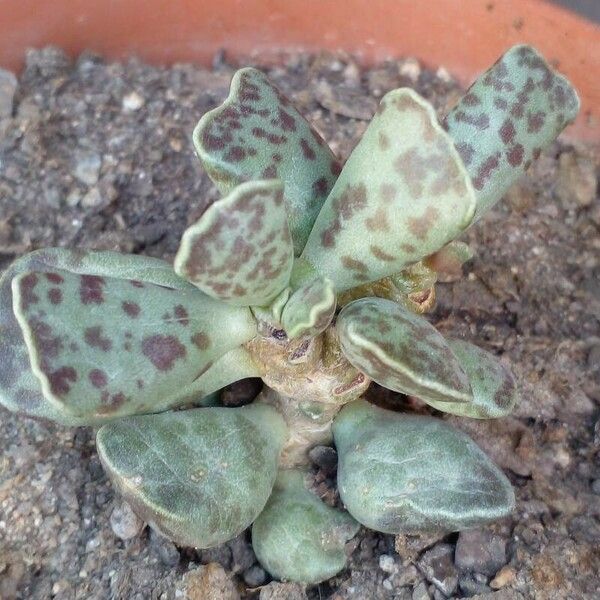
[98, 155]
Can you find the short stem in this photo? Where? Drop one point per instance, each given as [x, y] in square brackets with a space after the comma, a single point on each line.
[309, 425]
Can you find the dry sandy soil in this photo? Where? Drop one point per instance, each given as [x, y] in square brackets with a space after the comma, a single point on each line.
[98, 155]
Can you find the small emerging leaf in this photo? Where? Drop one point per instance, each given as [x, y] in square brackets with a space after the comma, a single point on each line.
[403, 194]
[447, 263]
[508, 116]
[258, 134]
[400, 473]
[20, 389]
[493, 386]
[200, 476]
[310, 309]
[401, 351]
[240, 250]
[299, 538]
[103, 347]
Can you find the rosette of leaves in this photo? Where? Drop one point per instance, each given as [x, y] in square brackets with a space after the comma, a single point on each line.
[313, 277]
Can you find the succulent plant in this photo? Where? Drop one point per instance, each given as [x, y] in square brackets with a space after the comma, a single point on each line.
[313, 277]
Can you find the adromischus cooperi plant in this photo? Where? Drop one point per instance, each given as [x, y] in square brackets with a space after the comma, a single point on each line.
[313, 277]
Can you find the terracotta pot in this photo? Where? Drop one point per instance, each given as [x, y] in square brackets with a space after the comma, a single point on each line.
[463, 35]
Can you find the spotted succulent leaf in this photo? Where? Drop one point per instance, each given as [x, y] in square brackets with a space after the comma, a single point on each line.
[240, 250]
[492, 384]
[298, 537]
[401, 473]
[234, 365]
[310, 309]
[200, 476]
[401, 351]
[258, 134]
[507, 117]
[402, 195]
[20, 389]
[103, 347]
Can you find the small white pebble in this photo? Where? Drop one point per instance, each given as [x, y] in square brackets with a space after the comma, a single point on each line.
[410, 68]
[442, 73]
[132, 102]
[387, 563]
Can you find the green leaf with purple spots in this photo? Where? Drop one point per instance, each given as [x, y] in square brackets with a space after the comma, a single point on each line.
[403, 194]
[103, 347]
[201, 476]
[240, 250]
[401, 473]
[493, 386]
[235, 365]
[298, 537]
[508, 116]
[257, 134]
[310, 309]
[401, 351]
[19, 387]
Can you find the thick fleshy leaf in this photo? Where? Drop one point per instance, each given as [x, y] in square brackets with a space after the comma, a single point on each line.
[240, 250]
[299, 538]
[103, 347]
[258, 134]
[403, 194]
[235, 365]
[401, 473]
[401, 351]
[20, 389]
[200, 476]
[493, 386]
[310, 309]
[508, 116]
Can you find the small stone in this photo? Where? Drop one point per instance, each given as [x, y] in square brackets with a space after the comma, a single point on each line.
[387, 563]
[596, 486]
[208, 582]
[324, 457]
[577, 180]
[255, 576]
[438, 567]
[481, 551]
[124, 522]
[132, 102]
[443, 74]
[241, 553]
[410, 68]
[505, 576]
[166, 550]
[421, 592]
[409, 547]
[470, 584]
[8, 87]
[283, 591]
[92, 199]
[87, 167]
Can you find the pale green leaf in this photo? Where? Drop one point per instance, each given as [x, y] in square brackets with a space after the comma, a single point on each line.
[401, 351]
[258, 134]
[401, 473]
[310, 309]
[201, 476]
[402, 195]
[103, 347]
[299, 538]
[493, 386]
[20, 389]
[240, 250]
[507, 117]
